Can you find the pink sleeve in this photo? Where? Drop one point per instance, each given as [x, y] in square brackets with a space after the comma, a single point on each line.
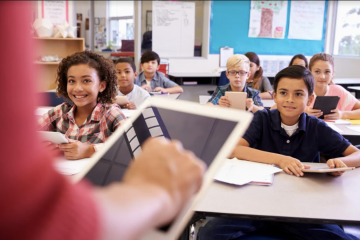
[36, 202]
[347, 100]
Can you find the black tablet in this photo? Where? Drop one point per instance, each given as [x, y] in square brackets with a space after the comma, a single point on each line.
[326, 104]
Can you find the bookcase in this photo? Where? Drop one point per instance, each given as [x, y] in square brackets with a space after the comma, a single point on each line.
[46, 71]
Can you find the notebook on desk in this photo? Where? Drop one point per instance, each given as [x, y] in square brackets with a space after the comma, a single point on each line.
[211, 133]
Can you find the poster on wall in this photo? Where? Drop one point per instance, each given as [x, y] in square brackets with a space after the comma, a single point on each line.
[56, 11]
[306, 20]
[173, 28]
[268, 19]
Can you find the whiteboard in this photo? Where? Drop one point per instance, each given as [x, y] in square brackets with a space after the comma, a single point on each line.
[173, 28]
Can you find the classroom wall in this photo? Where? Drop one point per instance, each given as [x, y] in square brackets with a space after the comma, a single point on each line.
[345, 67]
[83, 7]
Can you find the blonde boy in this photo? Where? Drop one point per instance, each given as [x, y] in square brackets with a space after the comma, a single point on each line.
[238, 70]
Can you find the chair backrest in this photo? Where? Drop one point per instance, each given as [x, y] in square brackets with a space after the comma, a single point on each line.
[127, 45]
[223, 79]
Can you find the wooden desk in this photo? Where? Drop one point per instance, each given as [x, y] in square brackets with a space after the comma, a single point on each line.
[317, 198]
[179, 77]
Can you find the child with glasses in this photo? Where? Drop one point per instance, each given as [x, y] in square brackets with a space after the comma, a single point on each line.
[238, 71]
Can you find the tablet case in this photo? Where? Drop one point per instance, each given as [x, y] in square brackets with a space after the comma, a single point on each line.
[326, 104]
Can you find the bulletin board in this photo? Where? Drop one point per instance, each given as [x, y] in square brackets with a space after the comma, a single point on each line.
[229, 26]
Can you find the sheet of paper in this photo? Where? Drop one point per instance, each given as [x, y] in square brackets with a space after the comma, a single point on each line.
[70, 167]
[354, 128]
[240, 172]
[339, 121]
[334, 127]
[268, 19]
[225, 53]
[306, 20]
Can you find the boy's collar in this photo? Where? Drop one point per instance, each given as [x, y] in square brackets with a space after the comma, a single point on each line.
[276, 121]
[156, 76]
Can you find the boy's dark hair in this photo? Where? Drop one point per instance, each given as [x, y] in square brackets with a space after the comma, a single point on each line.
[127, 60]
[300, 56]
[150, 56]
[296, 72]
[104, 68]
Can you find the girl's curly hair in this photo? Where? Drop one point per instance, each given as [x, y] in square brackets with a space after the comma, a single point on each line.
[104, 67]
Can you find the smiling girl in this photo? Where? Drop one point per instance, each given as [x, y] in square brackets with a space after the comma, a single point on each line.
[322, 67]
[88, 81]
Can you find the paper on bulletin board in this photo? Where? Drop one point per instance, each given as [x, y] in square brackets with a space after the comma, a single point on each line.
[268, 19]
[225, 53]
[173, 28]
[56, 11]
[306, 20]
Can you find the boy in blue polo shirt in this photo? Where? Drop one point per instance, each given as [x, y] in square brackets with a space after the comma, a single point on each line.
[287, 137]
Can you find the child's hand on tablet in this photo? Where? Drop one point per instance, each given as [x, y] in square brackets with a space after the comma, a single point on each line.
[314, 112]
[292, 166]
[224, 102]
[76, 150]
[54, 148]
[336, 114]
[335, 163]
[249, 104]
[146, 87]
[130, 105]
[160, 89]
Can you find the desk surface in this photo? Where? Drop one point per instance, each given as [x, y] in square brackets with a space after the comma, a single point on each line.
[314, 197]
[194, 74]
[346, 131]
[354, 87]
[347, 80]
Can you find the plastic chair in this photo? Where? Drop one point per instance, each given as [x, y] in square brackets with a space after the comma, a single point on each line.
[223, 79]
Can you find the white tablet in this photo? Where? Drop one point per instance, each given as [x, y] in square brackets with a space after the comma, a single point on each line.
[211, 133]
[54, 137]
[325, 170]
[237, 99]
[121, 100]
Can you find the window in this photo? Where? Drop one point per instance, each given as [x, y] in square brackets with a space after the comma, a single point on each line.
[121, 22]
[347, 31]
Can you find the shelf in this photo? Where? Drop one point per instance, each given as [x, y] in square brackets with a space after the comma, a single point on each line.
[46, 63]
[57, 39]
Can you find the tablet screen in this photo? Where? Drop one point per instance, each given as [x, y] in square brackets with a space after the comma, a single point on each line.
[200, 134]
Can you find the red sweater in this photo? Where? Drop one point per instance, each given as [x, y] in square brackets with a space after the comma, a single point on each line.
[35, 202]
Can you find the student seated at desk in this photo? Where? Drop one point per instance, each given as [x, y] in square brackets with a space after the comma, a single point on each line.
[238, 71]
[126, 74]
[322, 67]
[153, 81]
[257, 80]
[86, 79]
[299, 59]
[288, 137]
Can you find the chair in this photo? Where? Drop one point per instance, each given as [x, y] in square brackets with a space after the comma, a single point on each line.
[164, 66]
[127, 45]
[223, 79]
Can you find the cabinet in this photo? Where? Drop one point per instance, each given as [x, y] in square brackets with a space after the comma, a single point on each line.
[62, 47]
